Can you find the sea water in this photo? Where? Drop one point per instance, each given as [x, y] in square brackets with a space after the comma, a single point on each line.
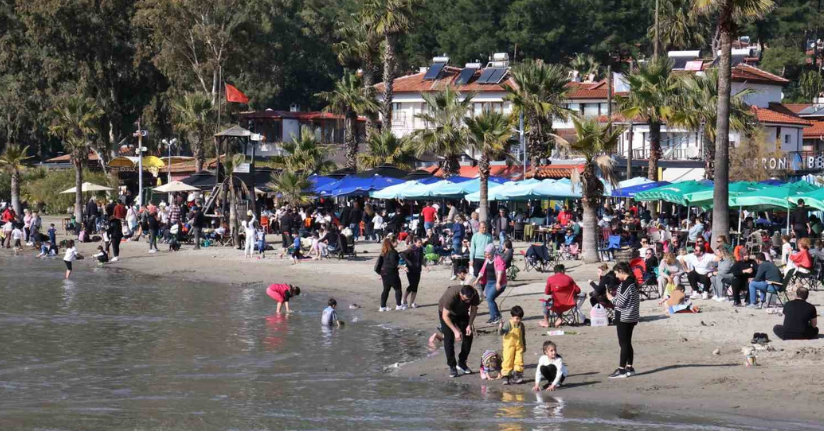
[112, 350]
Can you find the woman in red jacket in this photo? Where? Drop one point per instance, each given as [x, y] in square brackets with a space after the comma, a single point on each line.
[802, 260]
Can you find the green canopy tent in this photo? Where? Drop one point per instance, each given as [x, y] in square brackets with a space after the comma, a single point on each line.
[704, 198]
[773, 197]
[813, 199]
[677, 193]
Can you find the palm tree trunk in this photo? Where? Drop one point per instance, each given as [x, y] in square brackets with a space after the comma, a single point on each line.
[78, 193]
[591, 196]
[721, 210]
[654, 149]
[15, 191]
[483, 171]
[709, 157]
[197, 152]
[233, 214]
[368, 82]
[388, 78]
[350, 142]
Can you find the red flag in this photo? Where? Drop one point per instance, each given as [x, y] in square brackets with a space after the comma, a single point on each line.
[235, 95]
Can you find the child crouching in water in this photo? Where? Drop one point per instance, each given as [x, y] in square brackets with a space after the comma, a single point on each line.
[101, 255]
[514, 340]
[330, 316]
[550, 368]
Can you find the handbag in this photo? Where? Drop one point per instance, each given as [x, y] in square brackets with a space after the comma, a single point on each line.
[379, 265]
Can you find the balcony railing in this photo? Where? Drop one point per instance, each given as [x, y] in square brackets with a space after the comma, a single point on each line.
[666, 153]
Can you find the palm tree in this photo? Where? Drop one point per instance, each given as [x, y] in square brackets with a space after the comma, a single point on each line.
[74, 121]
[444, 131]
[386, 149]
[585, 65]
[229, 185]
[12, 160]
[360, 48]
[651, 90]
[595, 142]
[307, 155]
[729, 14]
[292, 186]
[388, 19]
[698, 104]
[194, 119]
[680, 26]
[349, 99]
[540, 94]
[488, 135]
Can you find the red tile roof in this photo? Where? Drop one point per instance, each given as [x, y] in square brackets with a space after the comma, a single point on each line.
[301, 116]
[766, 115]
[416, 84]
[512, 172]
[797, 107]
[816, 131]
[553, 171]
[744, 72]
[590, 90]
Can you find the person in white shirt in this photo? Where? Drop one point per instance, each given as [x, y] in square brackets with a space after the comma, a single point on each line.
[249, 226]
[377, 226]
[70, 256]
[699, 265]
[17, 237]
[550, 368]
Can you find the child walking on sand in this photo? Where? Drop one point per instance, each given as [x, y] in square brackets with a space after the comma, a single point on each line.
[282, 293]
[550, 368]
[514, 340]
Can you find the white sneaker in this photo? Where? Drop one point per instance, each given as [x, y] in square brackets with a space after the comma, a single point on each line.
[414, 305]
[695, 295]
[453, 278]
[114, 259]
[382, 309]
[152, 251]
[705, 296]
[400, 307]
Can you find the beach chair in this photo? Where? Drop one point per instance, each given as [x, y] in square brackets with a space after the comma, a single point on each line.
[779, 290]
[647, 287]
[570, 252]
[808, 279]
[537, 258]
[563, 305]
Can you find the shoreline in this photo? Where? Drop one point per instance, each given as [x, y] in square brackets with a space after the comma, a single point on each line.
[677, 371]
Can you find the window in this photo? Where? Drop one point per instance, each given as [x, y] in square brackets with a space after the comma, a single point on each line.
[786, 139]
[477, 108]
[590, 110]
[574, 107]
[498, 107]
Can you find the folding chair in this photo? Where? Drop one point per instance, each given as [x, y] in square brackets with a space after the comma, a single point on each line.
[808, 279]
[646, 288]
[570, 316]
[779, 290]
[571, 252]
[536, 258]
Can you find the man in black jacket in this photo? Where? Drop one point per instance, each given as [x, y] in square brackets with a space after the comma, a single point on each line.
[287, 223]
[197, 225]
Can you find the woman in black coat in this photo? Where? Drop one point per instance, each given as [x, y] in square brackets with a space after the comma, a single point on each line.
[387, 266]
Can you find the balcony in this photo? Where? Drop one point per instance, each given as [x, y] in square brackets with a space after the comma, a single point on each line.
[677, 153]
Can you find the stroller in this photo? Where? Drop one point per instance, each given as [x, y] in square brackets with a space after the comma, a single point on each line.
[537, 258]
[346, 247]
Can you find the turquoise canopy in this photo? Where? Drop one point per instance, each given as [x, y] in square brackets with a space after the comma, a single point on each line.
[676, 193]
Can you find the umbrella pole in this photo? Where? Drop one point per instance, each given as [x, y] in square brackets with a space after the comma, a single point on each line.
[740, 216]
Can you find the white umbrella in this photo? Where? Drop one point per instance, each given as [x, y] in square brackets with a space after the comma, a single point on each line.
[87, 187]
[175, 186]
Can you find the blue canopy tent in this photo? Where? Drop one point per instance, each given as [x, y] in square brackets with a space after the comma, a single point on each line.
[319, 181]
[629, 192]
[354, 186]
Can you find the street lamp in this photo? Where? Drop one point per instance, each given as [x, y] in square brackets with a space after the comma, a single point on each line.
[140, 134]
[169, 145]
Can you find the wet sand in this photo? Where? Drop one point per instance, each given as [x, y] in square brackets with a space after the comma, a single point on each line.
[677, 370]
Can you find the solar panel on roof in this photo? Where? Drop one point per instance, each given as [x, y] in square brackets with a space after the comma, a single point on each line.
[465, 76]
[485, 75]
[497, 76]
[434, 71]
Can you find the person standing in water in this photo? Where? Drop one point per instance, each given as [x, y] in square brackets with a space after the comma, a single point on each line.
[282, 293]
[70, 256]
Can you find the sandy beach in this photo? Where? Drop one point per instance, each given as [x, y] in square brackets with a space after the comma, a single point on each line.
[677, 370]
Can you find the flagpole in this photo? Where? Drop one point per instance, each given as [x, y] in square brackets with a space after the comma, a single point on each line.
[217, 128]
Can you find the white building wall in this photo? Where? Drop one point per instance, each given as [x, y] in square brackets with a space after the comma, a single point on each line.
[408, 105]
[762, 95]
[291, 127]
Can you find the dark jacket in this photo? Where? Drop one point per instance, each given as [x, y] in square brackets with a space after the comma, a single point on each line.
[500, 223]
[607, 282]
[388, 264]
[345, 216]
[414, 259]
[197, 219]
[767, 271]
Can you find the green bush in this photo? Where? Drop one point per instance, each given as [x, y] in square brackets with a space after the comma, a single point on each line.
[26, 176]
[46, 190]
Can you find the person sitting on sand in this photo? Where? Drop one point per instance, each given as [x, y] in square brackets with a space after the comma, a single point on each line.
[282, 293]
[800, 318]
[330, 316]
[676, 300]
[550, 368]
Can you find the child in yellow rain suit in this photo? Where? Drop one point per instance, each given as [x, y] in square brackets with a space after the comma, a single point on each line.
[514, 340]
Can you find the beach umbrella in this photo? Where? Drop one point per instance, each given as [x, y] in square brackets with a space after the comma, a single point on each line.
[631, 191]
[814, 199]
[356, 186]
[87, 187]
[637, 181]
[704, 198]
[396, 191]
[675, 193]
[320, 181]
[123, 162]
[495, 193]
[176, 186]
[459, 190]
[773, 197]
